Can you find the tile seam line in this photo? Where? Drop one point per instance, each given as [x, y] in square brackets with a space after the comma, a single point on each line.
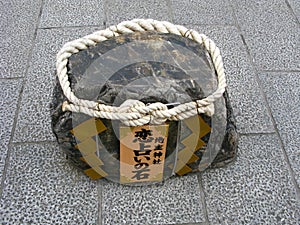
[202, 195]
[292, 11]
[257, 134]
[10, 143]
[170, 9]
[99, 193]
[278, 71]
[11, 78]
[200, 223]
[207, 24]
[191, 24]
[34, 142]
[268, 108]
[70, 27]
[105, 9]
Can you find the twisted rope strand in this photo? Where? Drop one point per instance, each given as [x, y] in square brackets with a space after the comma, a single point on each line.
[134, 112]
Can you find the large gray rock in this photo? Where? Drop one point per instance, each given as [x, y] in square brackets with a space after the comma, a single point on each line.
[149, 67]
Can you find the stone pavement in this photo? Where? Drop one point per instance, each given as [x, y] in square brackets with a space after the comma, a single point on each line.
[260, 43]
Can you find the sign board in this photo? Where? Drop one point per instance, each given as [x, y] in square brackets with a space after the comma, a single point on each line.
[142, 153]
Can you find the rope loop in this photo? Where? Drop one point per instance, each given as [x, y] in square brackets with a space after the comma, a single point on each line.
[134, 112]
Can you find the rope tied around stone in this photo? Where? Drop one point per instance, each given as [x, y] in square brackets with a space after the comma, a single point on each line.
[134, 112]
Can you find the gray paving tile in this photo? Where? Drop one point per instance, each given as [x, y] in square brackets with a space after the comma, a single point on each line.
[120, 10]
[63, 13]
[18, 20]
[13, 60]
[9, 94]
[283, 94]
[202, 12]
[177, 201]
[295, 5]
[257, 189]
[34, 117]
[42, 188]
[271, 32]
[248, 105]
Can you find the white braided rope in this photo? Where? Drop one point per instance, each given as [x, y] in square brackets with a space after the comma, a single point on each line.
[134, 112]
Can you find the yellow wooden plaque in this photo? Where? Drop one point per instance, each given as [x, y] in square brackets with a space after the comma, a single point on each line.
[142, 153]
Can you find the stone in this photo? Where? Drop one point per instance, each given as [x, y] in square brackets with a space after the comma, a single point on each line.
[150, 67]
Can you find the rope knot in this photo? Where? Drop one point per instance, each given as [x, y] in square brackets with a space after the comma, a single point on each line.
[208, 108]
[138, 114]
